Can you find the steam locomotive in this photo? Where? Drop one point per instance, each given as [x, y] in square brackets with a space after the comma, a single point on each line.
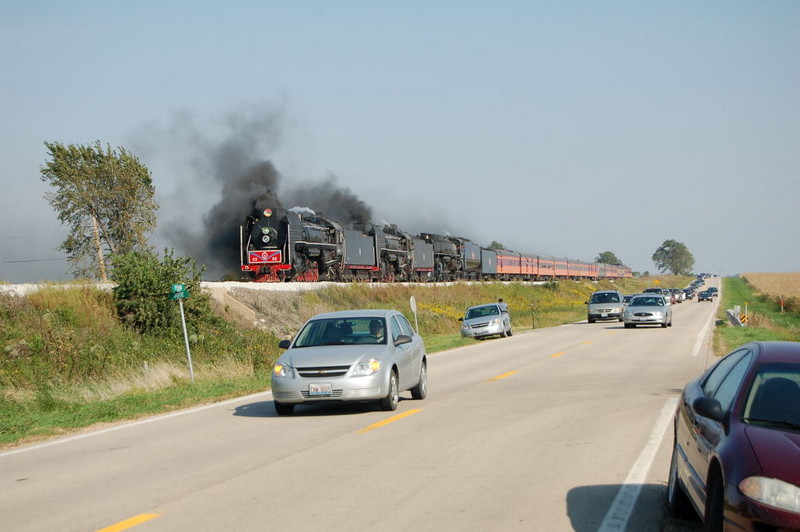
[301, 245]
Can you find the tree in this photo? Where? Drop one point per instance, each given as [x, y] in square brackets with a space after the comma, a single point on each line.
[674, 257]
[142, 287]
[607, 257]
[106, 196]
[496, 245]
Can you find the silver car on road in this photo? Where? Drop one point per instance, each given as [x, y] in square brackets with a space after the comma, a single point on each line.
[486, 320]
[359, 355]
[648, 309]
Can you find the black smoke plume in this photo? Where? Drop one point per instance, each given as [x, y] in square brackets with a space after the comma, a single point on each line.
[238, 171]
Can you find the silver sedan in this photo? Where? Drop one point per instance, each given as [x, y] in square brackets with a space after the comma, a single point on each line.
[486, 320]
[647, 309]
[360, 355]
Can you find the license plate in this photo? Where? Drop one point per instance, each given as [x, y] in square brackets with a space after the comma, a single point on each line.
[320, 388]
[603, 315]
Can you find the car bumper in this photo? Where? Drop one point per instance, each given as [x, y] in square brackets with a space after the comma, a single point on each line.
[645, 320]
[475, 332]
[604, 315]
[319, 390]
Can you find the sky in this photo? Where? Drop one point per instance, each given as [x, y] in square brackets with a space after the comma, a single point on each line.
[558, 128]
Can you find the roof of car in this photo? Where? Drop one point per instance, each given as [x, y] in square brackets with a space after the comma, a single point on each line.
[778, 351]
[359, 313]
[484, 305]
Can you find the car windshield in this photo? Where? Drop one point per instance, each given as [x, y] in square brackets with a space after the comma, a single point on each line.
[774, 397]
[605, 298]
[480, 312]
[342, 331]
[647, 302]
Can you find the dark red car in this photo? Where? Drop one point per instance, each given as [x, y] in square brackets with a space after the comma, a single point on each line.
[736, 453]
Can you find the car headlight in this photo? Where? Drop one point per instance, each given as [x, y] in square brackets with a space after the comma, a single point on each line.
[369, 367]
[282, 370]
[495, 322]
[772, 492]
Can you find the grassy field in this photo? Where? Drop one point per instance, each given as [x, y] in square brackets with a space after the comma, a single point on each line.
[765, 319]
[785, 285]
[67, 363]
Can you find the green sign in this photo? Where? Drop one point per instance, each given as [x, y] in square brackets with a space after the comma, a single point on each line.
[183, 294]
[178, 291]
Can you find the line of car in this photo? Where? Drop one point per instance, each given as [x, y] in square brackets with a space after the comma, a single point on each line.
[736, 446]
[651, 307]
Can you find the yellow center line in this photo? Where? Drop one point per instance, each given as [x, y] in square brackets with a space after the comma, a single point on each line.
[389, 420]
[129, 523]
[503, 376]
[587, 342]
[558, 354]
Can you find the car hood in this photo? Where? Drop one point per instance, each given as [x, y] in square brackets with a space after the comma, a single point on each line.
[777, 451]
[483, 319]
[332, 355]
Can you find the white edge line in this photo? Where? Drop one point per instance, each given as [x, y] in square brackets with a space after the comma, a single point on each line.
[127, 425]
[704, 331]
[621, 509]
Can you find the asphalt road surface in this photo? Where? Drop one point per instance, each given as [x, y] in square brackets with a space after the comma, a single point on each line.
[567, 428]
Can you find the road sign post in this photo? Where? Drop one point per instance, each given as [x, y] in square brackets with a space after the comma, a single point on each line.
[179, 292]
[413, 303]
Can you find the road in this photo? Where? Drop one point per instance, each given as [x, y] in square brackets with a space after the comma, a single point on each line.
[566, 428]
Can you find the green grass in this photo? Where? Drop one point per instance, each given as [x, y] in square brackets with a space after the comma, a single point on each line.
[766, 322]
[67, 363]
[48, 411]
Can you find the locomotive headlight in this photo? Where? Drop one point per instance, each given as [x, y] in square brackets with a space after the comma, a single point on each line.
[265, 239]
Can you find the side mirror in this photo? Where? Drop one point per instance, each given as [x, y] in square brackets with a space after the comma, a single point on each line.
[402, 339]
[708, 407]
[460, 319]
[284, 344]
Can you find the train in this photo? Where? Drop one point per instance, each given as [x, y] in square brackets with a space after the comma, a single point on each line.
[302, 245]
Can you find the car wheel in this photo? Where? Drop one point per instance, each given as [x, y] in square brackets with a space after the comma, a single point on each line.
[664, 325]
[677, 501]
[393, 397]
[714, 503]
[590, 320]
[621, 320]
[670, 323]
[283, 409]
[503, 334]
[509, 333]
[420, 391]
